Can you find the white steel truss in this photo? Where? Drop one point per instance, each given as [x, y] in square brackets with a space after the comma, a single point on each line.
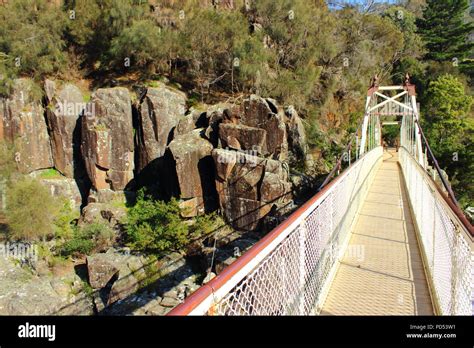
[391, 106]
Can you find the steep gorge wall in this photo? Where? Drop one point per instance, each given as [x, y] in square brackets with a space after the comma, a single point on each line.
[228, 157]
[23, 124]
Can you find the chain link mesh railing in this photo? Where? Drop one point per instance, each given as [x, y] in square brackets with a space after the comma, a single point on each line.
[446, 243]
[293, 275]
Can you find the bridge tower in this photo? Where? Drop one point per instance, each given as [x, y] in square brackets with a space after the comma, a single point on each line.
[381, 103]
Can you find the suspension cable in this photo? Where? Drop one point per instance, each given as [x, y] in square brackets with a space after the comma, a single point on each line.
[437, 167]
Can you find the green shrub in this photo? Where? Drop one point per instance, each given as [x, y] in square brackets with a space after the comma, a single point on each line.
[65, 221]
[77, 246]
[7, 74]
[87, 288]
[94, 237]
[206, 224]
[31, 210]
[155, 226]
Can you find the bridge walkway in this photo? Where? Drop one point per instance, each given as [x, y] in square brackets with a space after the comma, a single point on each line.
[381, 272]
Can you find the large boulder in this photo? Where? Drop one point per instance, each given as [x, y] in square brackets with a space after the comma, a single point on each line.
[107, 139]
[116, 274]
[191, 155]
[22, 123]
[244, 214]
[65, 106]
[249, 187]
[64, 187]
[25, 293]
[111, 213]
[110, 196]
[242, 181]
[296, 133]
[209, 117]
[185, 125]
[275, 190]
[159, 113]
[264, 113]
[239, 137]
[101, 270]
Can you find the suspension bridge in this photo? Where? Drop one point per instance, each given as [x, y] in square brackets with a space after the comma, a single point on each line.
[381, 237]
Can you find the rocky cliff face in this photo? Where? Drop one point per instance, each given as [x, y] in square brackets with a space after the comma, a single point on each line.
[107, 139]
[22, 123]
[191, 156]
[232, 157]
[65, 106]
[251, 169]
[241, 137]
[260, 113]
[225, 157]
[296, 133]
[249, 187]
[159, 113]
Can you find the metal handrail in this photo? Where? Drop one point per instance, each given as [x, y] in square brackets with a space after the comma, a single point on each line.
[446, 198]
[207, 291]
[444, 237]
[454, 204]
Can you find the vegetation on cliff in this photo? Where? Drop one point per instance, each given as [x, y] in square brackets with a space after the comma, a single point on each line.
[449, 125]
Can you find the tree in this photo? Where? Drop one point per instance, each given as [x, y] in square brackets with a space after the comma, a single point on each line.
[97, 22]
[252, 57]
[449, 127]
[390, 134]
[31, 210]
[297, 33]
[445, 30]
[213, 41]
[414, 6]
[31, 39]
[408, 61]
[142, 44]
[365, 44]
[447, 111]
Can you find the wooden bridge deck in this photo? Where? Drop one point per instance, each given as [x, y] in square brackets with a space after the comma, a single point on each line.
[381, 272]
